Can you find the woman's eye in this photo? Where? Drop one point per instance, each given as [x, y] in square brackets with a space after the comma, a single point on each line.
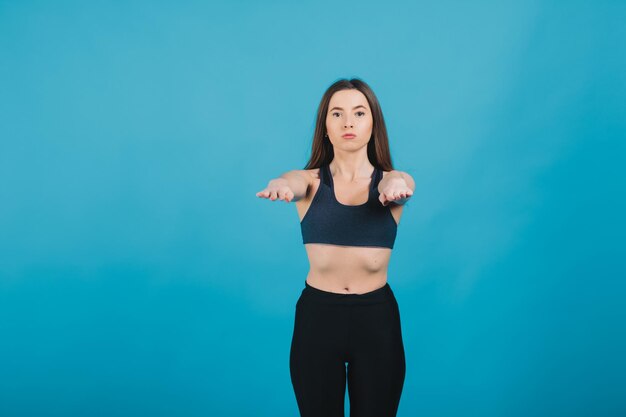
[362, 112]
[334, 113]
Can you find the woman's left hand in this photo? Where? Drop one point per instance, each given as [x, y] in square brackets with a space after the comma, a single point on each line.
[396, 190]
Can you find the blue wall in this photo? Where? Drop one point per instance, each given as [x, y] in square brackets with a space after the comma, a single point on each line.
[140, 274]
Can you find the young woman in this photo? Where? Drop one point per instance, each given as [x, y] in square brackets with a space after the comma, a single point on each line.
[349, 200]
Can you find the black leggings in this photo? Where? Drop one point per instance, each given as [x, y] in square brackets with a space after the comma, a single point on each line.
[362, 330]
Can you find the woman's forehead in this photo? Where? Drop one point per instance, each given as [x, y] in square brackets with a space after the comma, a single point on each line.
[351, 98]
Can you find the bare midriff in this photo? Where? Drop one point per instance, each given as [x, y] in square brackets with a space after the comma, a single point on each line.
[347, 269]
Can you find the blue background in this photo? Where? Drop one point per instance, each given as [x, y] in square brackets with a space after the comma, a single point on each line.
[140, 274]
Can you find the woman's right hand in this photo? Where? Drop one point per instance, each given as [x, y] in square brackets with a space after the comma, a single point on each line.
[277, 189]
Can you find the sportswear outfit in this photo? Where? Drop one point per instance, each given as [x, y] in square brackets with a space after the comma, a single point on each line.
[353, 337]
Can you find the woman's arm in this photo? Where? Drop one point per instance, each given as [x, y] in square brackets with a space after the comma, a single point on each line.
[290, 186]
[396, 187]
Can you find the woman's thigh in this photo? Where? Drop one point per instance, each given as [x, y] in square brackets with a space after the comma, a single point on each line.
[317, 359]
[376, 364]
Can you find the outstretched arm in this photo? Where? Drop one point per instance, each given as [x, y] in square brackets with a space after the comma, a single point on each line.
[396, 187]
[291, 186]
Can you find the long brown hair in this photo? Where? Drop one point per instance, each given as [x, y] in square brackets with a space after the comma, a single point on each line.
[377, 148]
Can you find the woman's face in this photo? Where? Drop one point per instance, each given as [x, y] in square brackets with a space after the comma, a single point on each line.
[349, 112]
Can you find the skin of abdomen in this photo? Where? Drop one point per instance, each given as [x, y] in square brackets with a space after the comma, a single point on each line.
[347, 268]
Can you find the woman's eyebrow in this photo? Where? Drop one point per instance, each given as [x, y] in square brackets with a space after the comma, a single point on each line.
[356, 107]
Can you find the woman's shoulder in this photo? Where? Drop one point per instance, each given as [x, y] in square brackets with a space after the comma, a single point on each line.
[312, 174]
[313, 179]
